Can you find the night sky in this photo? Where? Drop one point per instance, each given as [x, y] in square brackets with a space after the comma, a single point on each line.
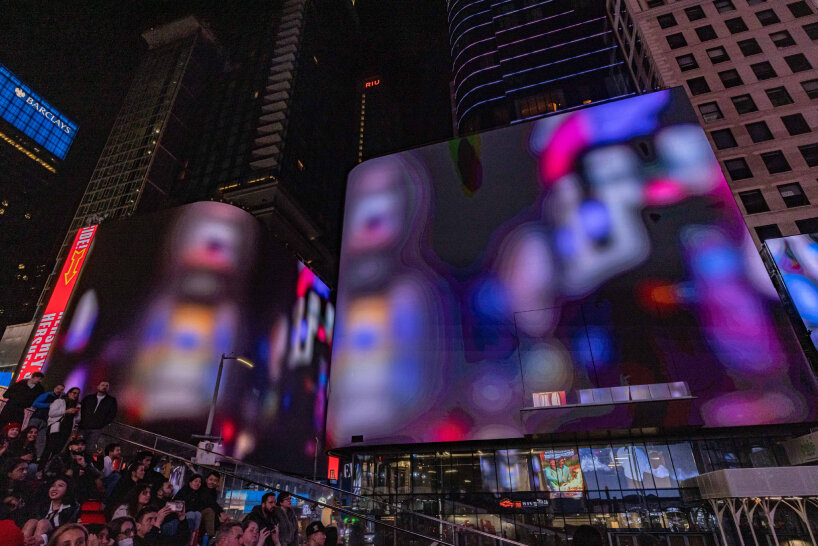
[80, 56]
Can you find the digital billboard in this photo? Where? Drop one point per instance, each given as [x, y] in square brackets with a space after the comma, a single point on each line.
[588, 270]
[163, 296]
[33, 116]
[796, 258]
[49, 324]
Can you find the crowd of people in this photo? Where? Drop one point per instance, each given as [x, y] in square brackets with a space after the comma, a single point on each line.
[58, 487]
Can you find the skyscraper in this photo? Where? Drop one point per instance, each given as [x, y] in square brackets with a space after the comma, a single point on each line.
[515, 60]
[154, 128]
[303, 133]
[751, 70]
[34, 140]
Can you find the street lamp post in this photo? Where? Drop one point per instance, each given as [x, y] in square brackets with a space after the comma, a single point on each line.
[224, 357]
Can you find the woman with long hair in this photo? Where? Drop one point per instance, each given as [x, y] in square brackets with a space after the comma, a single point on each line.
[137, 498]
[63, 414]
[24, 446]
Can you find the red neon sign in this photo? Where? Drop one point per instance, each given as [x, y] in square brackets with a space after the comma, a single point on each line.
[372, 83]
[50, 322]
[332, 468]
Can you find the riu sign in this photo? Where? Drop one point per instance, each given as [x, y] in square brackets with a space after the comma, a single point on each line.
[372, 83]
[49, 325]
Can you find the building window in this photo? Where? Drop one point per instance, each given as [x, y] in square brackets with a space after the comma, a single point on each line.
[810, 153]
[718, 55]
[675, 41]
[770, 231]
[749, 47]
[738, 169]
[767, 17]
[755, 2]
[698, 86]
[782, 38]
[723, 139]
[796, 124]
[778, 96]
[730, 78]
[753, 201]
[724, 5]
[667, 20]
[807, 226]
[763, 70]
[776, 162]
[687, 62]
[758, 131]
[655, 3]
[811, 88]
[710, 111]
[706, 33]
[797, 62]
[695, 13]
[735, 25]
[744, 104]
[812, 30]
[799, 9]
[793, 195]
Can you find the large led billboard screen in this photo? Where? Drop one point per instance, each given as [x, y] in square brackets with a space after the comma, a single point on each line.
[796, 258]
[163, 296]
[33, 116]
[584, 271]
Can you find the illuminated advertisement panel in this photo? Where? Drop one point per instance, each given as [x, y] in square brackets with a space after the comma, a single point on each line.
[163, 296]
[34, 117]
[584, 271]
[49, 324]
[796, 258]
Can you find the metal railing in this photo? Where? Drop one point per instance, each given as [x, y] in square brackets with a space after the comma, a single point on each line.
[392, 523]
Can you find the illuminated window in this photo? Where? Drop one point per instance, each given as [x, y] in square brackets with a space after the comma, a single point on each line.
[793, 195]
[300, 165]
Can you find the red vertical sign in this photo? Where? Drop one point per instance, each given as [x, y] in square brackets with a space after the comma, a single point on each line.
[50, 322]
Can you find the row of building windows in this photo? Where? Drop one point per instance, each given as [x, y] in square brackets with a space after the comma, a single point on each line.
[745, 104]
[775, 161]
[791, 193]
[759, 131]
[797, 62]
[781, 39]
[735, 25]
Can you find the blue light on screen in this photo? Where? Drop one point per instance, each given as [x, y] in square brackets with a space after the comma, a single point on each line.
[35, 118]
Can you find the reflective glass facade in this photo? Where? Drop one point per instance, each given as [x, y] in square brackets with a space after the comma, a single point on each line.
[520, 59]
[630, 485]
[38, 120]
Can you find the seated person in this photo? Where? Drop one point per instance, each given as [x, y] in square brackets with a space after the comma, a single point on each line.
[122, 529]
[59, 508]
[149, 531]
[163, 495]
[137, 499]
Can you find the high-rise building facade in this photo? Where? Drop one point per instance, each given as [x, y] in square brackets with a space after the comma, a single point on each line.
[380, 120]
[519, 59]
[34, 140]
[750, 68]
[302, 139]
[152, 131]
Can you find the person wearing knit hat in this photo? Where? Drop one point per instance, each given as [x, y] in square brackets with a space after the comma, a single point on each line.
[286, 519]
[315, 534]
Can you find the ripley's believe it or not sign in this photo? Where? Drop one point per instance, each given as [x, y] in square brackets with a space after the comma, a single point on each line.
[34, 117]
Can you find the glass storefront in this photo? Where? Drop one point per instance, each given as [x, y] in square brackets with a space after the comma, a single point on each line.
[539, 493]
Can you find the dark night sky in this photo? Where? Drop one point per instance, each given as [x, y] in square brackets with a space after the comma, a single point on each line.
[80, 55]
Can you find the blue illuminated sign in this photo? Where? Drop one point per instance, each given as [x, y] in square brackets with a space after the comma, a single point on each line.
[34, 117]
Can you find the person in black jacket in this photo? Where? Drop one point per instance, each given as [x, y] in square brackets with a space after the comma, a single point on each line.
[19, 397]
[264, 514]
[98, 411]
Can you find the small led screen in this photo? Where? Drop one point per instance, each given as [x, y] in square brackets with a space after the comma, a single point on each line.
[796, 258]
[163, 296]
[34, 117]
[588, 270]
